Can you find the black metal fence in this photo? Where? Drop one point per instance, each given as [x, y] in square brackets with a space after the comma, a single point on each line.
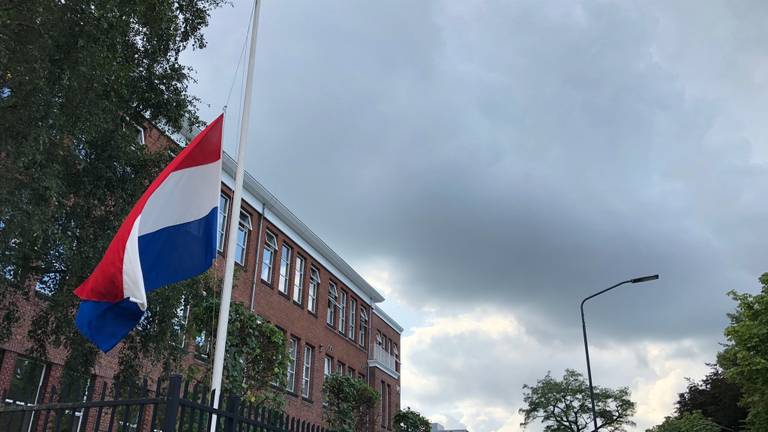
[173, 407]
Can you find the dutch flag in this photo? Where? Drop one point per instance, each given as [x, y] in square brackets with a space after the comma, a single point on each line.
[169, 236]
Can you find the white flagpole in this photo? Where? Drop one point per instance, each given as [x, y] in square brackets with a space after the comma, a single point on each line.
[234, 220]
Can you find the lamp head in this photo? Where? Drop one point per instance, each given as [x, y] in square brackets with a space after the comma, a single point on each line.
[644, 279]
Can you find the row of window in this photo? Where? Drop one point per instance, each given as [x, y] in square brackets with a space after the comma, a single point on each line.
[342, 311]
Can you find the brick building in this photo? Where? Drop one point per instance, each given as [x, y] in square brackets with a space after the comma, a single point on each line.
[288, 275]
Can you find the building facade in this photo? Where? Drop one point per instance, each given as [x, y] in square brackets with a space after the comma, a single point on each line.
[330, 315]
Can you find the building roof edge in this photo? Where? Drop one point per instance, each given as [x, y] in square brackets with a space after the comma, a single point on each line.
[387, 319]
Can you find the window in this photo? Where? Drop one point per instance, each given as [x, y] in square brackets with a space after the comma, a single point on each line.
[306, 376]
[292, 351]
[340, 368]
[328, 366]
[379, 341]
[342, 311]
[314, 283]
[285, 269]
[180, 324]
[330, 316]
[352, 314]
[74, 389]
[202, 346]
[268, 257]
[363, 327]
[396, 354]
[389, 407]
[242, 237]
[384, 401]
[26, 382]
[298, 280]
[222, 221]
[351, 372]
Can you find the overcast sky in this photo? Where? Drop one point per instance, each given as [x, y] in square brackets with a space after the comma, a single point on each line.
[487, 165]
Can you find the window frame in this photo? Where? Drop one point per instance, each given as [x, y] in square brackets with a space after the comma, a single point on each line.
[269, 265]
[330, 315]
[352, 315]
[314, 284]
[306, 373]
[284, 274]
[300, 264]
[342, 304]
[221, 223]
[363, 335]
[244, 227]
[293, 354]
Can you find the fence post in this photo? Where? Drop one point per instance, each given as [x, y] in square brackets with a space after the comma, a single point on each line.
[233, 404]
[172, 403]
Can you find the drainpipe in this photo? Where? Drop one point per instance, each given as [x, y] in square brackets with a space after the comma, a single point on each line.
[258, 249]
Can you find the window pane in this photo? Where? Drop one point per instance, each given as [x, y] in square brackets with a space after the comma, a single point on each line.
[314, 283]
[25, 382]
[221, 222]
[307, 372]
[298, 280]
[242, 241]
[342, 311]
[291, 383]
[285, 266]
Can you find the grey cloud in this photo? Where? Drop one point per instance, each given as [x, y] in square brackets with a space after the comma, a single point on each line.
[521, 154]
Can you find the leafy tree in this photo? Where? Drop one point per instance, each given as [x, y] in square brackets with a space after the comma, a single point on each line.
[350, 403]
[256, 357]
[76, 78]
[745, 357]
[564, 405]
[687, 422]
[408, 420]
[716, 398]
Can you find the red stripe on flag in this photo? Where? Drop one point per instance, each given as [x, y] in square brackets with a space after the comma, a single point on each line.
[106, 281]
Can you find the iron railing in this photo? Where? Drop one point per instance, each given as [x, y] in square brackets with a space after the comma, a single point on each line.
[175, 407]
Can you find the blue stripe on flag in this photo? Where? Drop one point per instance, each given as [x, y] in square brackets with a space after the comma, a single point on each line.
[178, 252]
[105, 324]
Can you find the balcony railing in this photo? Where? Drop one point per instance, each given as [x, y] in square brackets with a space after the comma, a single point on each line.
[384, 359]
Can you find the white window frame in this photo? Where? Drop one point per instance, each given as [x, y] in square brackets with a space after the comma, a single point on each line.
[221, 222]
[352, 314]
[327, 366]
[285, 268]
[243, 228]
[298, 279]
[314, 284]
[333, 295]
[363, 328]
[270, 244]
[306, 375]
[180, 321]
[37, 393]
[342, 311]
[293, 350]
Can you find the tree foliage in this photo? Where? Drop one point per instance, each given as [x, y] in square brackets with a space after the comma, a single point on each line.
[256, 356]
[564, 405]
[745, 356]
[408, 420]
[687, 422]
[349, 403]
[76, 78]
[716, 398]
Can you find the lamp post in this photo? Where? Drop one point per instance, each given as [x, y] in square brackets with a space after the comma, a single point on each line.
[586, 346]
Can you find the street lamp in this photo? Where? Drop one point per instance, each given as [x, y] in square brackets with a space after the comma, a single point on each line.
[584, 329]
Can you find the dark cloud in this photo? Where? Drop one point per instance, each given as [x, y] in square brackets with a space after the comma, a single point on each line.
[520, 154]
